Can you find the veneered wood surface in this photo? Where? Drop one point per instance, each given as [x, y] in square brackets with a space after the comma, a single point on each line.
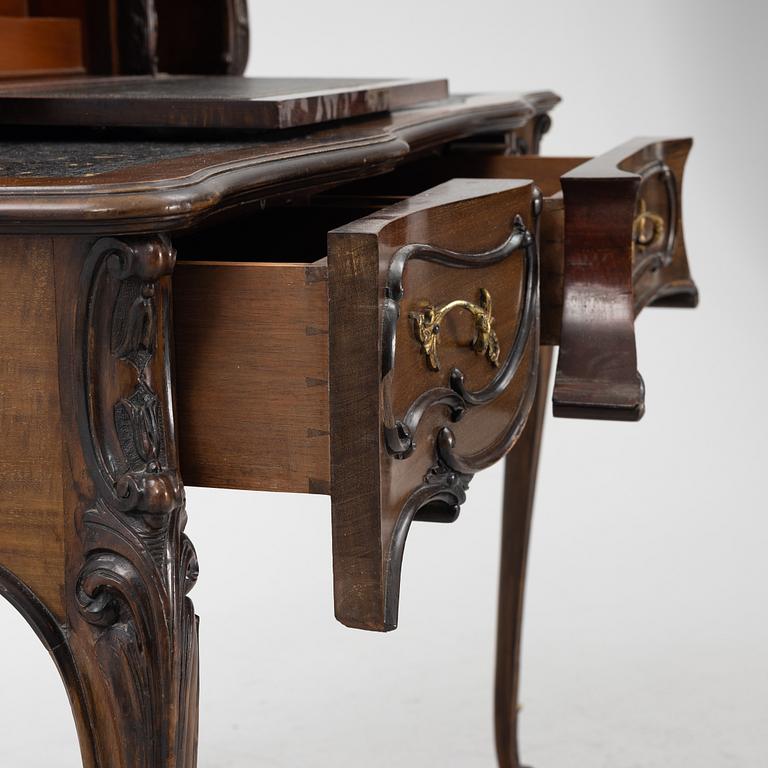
[432, 284]
[545, 172]
[672, 284]
[263, 323]
[98, 23]
[200, 102]
[32, 516]
[597, 374]
[368, 487]
[30, 45]
[252, 375]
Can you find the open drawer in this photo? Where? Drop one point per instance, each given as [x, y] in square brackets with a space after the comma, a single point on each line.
[385, 368]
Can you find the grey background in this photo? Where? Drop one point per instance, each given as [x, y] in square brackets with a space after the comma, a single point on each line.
[646, 632]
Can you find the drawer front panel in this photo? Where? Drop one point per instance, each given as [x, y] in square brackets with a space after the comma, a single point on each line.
[434, 329]
[623, 249]
[459, 327]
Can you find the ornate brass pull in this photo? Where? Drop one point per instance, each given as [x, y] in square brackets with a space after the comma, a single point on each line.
[640, 235]
[426, 324]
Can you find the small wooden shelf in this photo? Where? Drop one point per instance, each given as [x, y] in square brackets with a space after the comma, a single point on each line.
[38, 45]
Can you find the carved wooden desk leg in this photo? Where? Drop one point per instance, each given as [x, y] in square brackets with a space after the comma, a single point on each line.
[519, 487]
[131, 629]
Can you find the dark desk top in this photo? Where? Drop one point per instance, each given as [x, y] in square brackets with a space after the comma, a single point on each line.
[144, 185]
[184, 102]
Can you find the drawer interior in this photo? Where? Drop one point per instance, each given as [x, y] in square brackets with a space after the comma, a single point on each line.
[291, 234]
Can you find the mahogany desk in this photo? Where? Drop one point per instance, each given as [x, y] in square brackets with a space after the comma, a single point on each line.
[365, 309]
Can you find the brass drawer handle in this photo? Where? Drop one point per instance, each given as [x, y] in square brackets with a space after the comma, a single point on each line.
[426, 325]
[641, 237]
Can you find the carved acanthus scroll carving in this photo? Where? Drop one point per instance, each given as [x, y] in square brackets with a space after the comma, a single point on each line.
[138, 565]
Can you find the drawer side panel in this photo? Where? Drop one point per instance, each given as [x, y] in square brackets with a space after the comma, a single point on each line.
[252, 375]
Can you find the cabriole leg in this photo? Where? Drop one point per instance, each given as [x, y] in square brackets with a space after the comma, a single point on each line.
[519, 487]
[132, 630]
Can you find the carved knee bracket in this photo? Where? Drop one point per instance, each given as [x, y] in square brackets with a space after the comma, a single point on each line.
[134, 631]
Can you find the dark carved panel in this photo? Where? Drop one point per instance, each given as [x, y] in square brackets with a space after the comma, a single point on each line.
[138, 643]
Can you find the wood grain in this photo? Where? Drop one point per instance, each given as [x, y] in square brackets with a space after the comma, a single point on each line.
[281, 381]
[597, 375]
[13, 7]
[98, 21]
[39, 45]
[374, 494]
[31, 505]
[521, 468]
[252, 375]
